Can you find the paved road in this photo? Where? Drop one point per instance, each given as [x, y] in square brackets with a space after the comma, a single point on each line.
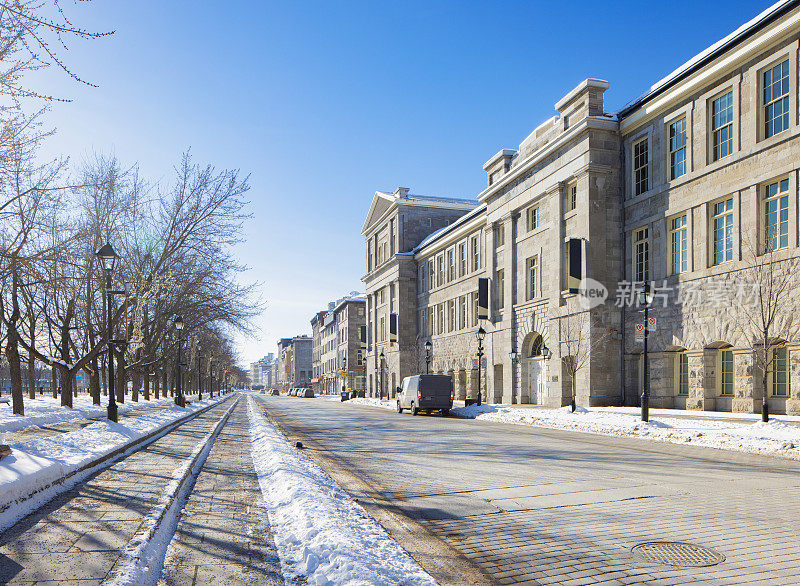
[528, 505]
[78, 537]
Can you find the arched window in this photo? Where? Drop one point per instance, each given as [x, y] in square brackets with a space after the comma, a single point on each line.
[535, 348]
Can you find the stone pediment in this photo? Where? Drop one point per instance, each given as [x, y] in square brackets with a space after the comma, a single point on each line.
[381, 202]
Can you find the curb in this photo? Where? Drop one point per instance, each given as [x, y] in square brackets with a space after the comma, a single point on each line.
[116, 452]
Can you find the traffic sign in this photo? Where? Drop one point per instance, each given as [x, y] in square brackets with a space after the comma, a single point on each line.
[651, 324]
[639, 337]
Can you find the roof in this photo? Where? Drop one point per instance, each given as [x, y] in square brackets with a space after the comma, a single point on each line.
[402, 195]
[703, 58]
[433, 236]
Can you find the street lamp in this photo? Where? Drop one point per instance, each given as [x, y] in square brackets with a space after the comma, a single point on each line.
[380, 388]
[646, 298]
[480, 335]
[179, 399]
[199, 376]
[428, 348]
[108, 258]
[344, 374]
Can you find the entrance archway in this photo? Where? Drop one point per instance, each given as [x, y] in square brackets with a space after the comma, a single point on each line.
[534, 369]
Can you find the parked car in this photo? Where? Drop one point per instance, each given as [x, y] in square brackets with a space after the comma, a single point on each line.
[292, 392]
[307, 393]
[274, 392]
[431, 392]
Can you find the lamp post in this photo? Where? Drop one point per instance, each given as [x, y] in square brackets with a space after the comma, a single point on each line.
[380, 389]
[179, 400]
[344, 374]
[646, 298]
[480, 334]
[428, 348]
[199, 376]
[108, 258]
[211, 375]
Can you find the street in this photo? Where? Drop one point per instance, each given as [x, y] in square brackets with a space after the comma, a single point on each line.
[522, 504]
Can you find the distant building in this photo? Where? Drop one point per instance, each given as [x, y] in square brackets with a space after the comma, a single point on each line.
[261, 371]
[316, 350]
[294, 362]
[338, 337]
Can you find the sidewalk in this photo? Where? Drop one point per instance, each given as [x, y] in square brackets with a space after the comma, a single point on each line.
[220, 539]
[77, 537]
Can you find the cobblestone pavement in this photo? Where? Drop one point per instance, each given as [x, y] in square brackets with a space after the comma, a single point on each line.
[538, 506]
[77, 537]
[47, 430]
[219, 539]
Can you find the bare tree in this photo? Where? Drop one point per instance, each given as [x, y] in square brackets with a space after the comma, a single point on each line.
[768, 317]
[577, 344]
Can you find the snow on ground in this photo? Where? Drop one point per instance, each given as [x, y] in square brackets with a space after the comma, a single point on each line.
[731, 431]
[144, 557]
[774, 437]
[33, 466]
[46, 410]
[322, 535]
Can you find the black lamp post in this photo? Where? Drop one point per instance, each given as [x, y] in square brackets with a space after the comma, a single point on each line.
[428, 348]
[480, 334]
[108, 258]
[646, 298]
[344, 374]
[381, 361]
[179, 399]
[199, 376]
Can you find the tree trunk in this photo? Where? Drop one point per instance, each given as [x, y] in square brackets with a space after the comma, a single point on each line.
[164, 382]
[54, 382]
[94, 383]
[146, 385]
[32, 365]
[67, 388]
[14, 372]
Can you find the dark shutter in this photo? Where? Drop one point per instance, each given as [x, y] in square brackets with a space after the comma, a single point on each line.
[483, 298]
[363, 336]
[392, 328]
[575, 262]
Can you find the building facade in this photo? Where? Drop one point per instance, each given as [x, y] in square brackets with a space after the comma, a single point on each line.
[691, 190]
[316, 351]
[342, 359]
[294, 362]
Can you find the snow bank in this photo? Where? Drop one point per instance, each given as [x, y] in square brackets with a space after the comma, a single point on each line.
[46, 410]
[370, 402]
[774, 437]
[143, 558]
[36, 467]
[321, 535]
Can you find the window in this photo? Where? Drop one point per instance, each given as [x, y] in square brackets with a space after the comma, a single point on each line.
[360, 358]
[641, 252]
[431, 275]
[531, 277]
[462, 259]
[726, 372]
[440, 313]
[391, 236]
[532, 216]
[722, 126]
[776, 215]
[440, 269]
[451, 265]
[640, 167]
[474, 308]
[678, 242]
[780, 372]
[677, 148]
[722, 224]
[462, 312]
[499, 288]
[499, 235]
[431, 320]
[776, 99]
[572, 189]
[451, 315]
[383, 295]
[683, 374]
[383, 329]
[476, 253]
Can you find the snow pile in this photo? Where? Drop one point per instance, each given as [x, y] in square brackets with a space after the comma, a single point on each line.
[774, 437]
[321, 535]
[370, 402]
[144, 556]
[46, 411]
[36, 467]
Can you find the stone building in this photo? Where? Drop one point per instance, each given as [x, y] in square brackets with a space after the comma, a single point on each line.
[340, 343]
[316, 351]
[688, 188]
[713, 152]
[294, 362]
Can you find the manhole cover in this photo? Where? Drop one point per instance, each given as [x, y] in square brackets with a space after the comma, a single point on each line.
[675, 553]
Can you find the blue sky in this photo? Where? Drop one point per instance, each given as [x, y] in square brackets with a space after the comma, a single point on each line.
[325, 102]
